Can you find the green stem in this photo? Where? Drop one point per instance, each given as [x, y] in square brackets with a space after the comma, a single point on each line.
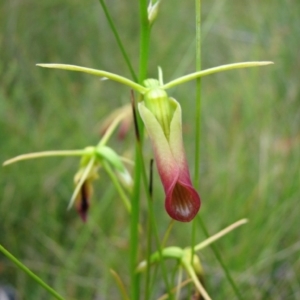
[144, 40]
[148, 255]
[149, 233]
[197, 114]
[109, 131]
[117, 37]
[167, 233]
[120, 284]
[30, 273]
[198, 95]
[197, 75]
[134, 221]
[196, 281]
[221, 262]
[117, 185]
[135, 202]
[154, 228]
[219, 234]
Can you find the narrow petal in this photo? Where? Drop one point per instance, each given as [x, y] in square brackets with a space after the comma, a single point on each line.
[182, 201]
[83, 200]
[176, 143]
[166, 164]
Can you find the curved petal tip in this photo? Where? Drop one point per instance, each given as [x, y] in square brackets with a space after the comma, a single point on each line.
[182, 202]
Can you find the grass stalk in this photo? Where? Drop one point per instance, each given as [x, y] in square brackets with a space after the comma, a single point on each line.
[134, 220]
[118, 39]
[12, 258]
[134, 231]
[144, 40]
[220, 260]
[197, 149]
[197, 113]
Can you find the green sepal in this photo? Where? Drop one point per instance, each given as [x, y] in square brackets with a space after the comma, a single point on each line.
[111, 156]
[89, 152]
[157, 101]
[169, 252]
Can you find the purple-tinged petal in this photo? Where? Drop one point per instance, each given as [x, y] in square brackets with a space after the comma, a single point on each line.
[166, 165]
[83, 200]
[182, 201]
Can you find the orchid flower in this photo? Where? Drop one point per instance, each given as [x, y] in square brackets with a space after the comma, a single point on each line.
[92, 158]
[162, 118]
[188, 259]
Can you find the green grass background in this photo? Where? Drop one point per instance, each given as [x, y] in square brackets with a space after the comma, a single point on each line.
[249, 153]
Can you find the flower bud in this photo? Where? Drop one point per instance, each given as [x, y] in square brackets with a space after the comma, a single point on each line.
[157, 101]
[153, 11]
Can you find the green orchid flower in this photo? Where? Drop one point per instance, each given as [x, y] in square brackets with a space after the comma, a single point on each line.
[161, 115]
[92, 158]
[188, 259]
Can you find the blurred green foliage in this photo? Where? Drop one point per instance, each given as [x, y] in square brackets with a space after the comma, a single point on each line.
[250, 140]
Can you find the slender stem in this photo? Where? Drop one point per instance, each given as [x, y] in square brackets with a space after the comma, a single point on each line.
[134, 221]
[133, 256]
[167, 233]
[109, 131]
[117, 37]
[144, 40]
[179, 281]
[135, 200]
[197, 114]
[117, 185]
[148, 256]
[197, 75]
[149, 235]
[221, 262]
[182, 284]
[154, 227]
[30, 273]
[220, 234]
[120, 284]
[198, 94]
[196, 281]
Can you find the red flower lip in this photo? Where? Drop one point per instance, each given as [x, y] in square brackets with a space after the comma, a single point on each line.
[182, 201]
